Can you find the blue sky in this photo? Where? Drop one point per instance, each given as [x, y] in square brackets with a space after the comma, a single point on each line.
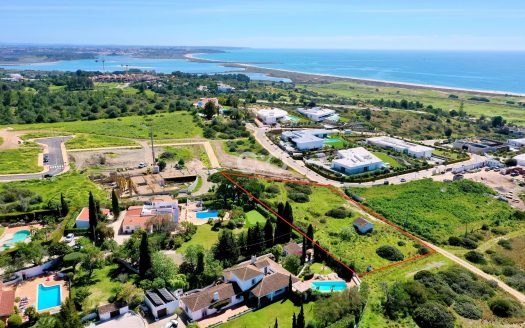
[348, 24]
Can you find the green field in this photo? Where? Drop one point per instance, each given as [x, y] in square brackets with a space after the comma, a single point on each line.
[497, 106]
[41, 134]
[253, 217]
[21, 160]
[437, 210]
[320, 268]
[387, 159]
[186, 153]
[87, 141]
[166, 126]
[204, 236]
[244, 145]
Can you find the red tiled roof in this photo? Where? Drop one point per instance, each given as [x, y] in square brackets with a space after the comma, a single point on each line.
[272, 283]
[84, 214]
[7, 302]
[360, 222]
[133, 217]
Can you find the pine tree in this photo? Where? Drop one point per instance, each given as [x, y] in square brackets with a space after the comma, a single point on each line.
[242, 243]
[199, 268]
[93, 217]
[276, 324]
[318, 255]
[268, 233]
[300, 318]
[303, 249]
[115, 208]
[281, 226]
[68, 316]
[310, 234]
[290, 284]
[64, 208]
[226, 249]
[294, 321]
[145, 255]
[288, 215]
[258, 238]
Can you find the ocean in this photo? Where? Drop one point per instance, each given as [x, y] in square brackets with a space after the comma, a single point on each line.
[490, 71]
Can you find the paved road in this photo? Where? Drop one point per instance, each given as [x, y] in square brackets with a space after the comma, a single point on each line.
[55, 164]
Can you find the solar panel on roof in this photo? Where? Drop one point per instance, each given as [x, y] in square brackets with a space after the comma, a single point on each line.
[155, 298]
[166, 295]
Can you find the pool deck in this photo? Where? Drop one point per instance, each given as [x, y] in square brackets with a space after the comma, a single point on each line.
[330, 277]
[29, 289]
[189, 213]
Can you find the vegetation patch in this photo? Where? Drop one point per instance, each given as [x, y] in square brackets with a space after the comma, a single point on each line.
[87, 141]
[20, 160]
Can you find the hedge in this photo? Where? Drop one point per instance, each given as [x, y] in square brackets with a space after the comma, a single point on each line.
[76, 231]
[37, 215]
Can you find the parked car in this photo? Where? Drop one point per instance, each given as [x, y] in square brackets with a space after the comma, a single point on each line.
[46, 158]
[69, 237]
[403, 180]
[142, 165]
[48, 175]
[386, 182]
[172, 324]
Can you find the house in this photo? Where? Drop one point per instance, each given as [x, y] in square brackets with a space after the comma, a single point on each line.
[138, 217]
[225, 87]
[318, 114]
[363, 226]
[7, 304]
[516, 143]
[480, 146]
[401, 146]
[308, 139]
[271, 115]
[82, 220]
[293, 248]
[202, 88]
[161, 302]
[203, 101]
[356, 160]
[260, 279]
[112, 310]
[520, 159]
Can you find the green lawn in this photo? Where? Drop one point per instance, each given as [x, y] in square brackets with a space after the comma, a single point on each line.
[166, 126]
[253, 216]
[437, 210]
[185, 153]
[204, 236]
[265, 317]
[387, 159]
[21, 160]
[86, 141]
[320, 268]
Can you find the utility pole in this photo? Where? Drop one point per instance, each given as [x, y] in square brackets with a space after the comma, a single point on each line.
[152, 146]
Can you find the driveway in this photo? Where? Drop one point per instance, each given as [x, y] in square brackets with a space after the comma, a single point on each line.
[57, 160]
[115, 225]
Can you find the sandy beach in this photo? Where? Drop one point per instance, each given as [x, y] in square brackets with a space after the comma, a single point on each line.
[309, 78]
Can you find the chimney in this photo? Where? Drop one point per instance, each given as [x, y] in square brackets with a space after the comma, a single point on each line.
[254, 259]
[215, 296]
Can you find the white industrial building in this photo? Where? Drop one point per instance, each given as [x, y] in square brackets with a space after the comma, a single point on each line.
[319, 114]
[306, 139]
[401, 146]
[356, 160]
[521, 159]
[516, 143]
[272, 115]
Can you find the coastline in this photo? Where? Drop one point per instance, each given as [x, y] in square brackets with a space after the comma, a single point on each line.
[313, 78]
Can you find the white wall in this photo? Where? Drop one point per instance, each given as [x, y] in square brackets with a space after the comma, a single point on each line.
[170, 307]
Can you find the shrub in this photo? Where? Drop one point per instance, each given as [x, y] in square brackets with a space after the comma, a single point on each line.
[502, 260]
[517, 281]
[475, 257]
[505, 308]
[299, 197]
[338, 213]
[505, 243]
[433, 315]
[14, 321]
[390, 253]
[273, 189]
[401, 243]
[466, 308]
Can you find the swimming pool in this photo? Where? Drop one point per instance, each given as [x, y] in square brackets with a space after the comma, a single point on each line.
[48, 297]
[17, 236]
[331, 140]
[207, 214]
[329, 286]
[291, 118]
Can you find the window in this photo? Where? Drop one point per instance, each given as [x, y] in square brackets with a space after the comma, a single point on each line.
[253, 281]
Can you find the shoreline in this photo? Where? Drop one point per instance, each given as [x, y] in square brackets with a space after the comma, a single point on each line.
[312, 78]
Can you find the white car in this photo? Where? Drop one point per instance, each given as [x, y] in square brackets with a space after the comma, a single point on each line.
[142, 165]
[172, 324]
[70, 237]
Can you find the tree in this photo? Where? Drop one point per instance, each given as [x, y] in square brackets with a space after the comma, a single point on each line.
[268, 233]
[255, 240]
[276, 324]
[68, 316]
[59, 249]
[294, 321]
[31, 314]
[448, 132]
[310, 235]
[64, 208]
[292, 263]
[511, 162]
[162, 165]
[433, 315]
[290, 284]
[14, 320]
[72, 259]
[130, 294]
[103, 233]
[300, 318]
[209, 110]
[164, 268]
[303, 250]
[93, 217]
[498, 122]
[92, 259]
[226, 249]
[145, 255]
[81, 294]
[114, 203]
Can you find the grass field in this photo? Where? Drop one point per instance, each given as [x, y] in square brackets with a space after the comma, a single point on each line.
[75, 187]
[86, 141]
[320, 268]
[185, 153]
[244, 145]
[436, 210]
[265, 317]
[204, 236]
[252, 217]
[41, 134]
[497, 106]
[21, 160]
[387, 159]
[165, 126]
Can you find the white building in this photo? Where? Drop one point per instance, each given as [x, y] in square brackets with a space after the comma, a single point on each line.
[203, 101]
[356, 160]
[137, 217]
[516, 143]
[521, 159]
[225, 87]
[318, 114]
[401, 146]
[306, 139]
[161, 302]
[272, 115]
[82, 220]
[111, 310]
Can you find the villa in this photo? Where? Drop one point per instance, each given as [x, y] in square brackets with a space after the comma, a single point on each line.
[225, 88]
[138, 217]
[308, 139]
[82, 220]
[401, 146]
[356, 160]
[318, 114]
[203, 101]
[260, 279]
[272, 115]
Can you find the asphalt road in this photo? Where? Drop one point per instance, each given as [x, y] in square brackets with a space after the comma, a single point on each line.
[56, 160]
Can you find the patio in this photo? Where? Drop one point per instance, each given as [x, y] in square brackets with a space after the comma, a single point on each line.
[28, 291]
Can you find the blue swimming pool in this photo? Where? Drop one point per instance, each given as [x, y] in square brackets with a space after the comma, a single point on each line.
[329, 286]
[207, 214]
[48, 297]
[17, 236]
[291, 118]
[331, 140]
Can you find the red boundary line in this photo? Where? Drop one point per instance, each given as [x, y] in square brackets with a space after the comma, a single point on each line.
[228, 176]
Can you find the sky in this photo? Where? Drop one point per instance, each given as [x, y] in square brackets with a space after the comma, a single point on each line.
[331, 24]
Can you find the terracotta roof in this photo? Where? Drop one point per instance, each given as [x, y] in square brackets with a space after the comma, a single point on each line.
[246, 272]
[84, 214]
[7, 302]
[107, 308]
[360, 222]
[271, 283]
[133, 217]
[293, 248]
[204, 298]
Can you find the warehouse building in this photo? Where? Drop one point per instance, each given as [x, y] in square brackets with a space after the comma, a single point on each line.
[401, 146]
[356, 160]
